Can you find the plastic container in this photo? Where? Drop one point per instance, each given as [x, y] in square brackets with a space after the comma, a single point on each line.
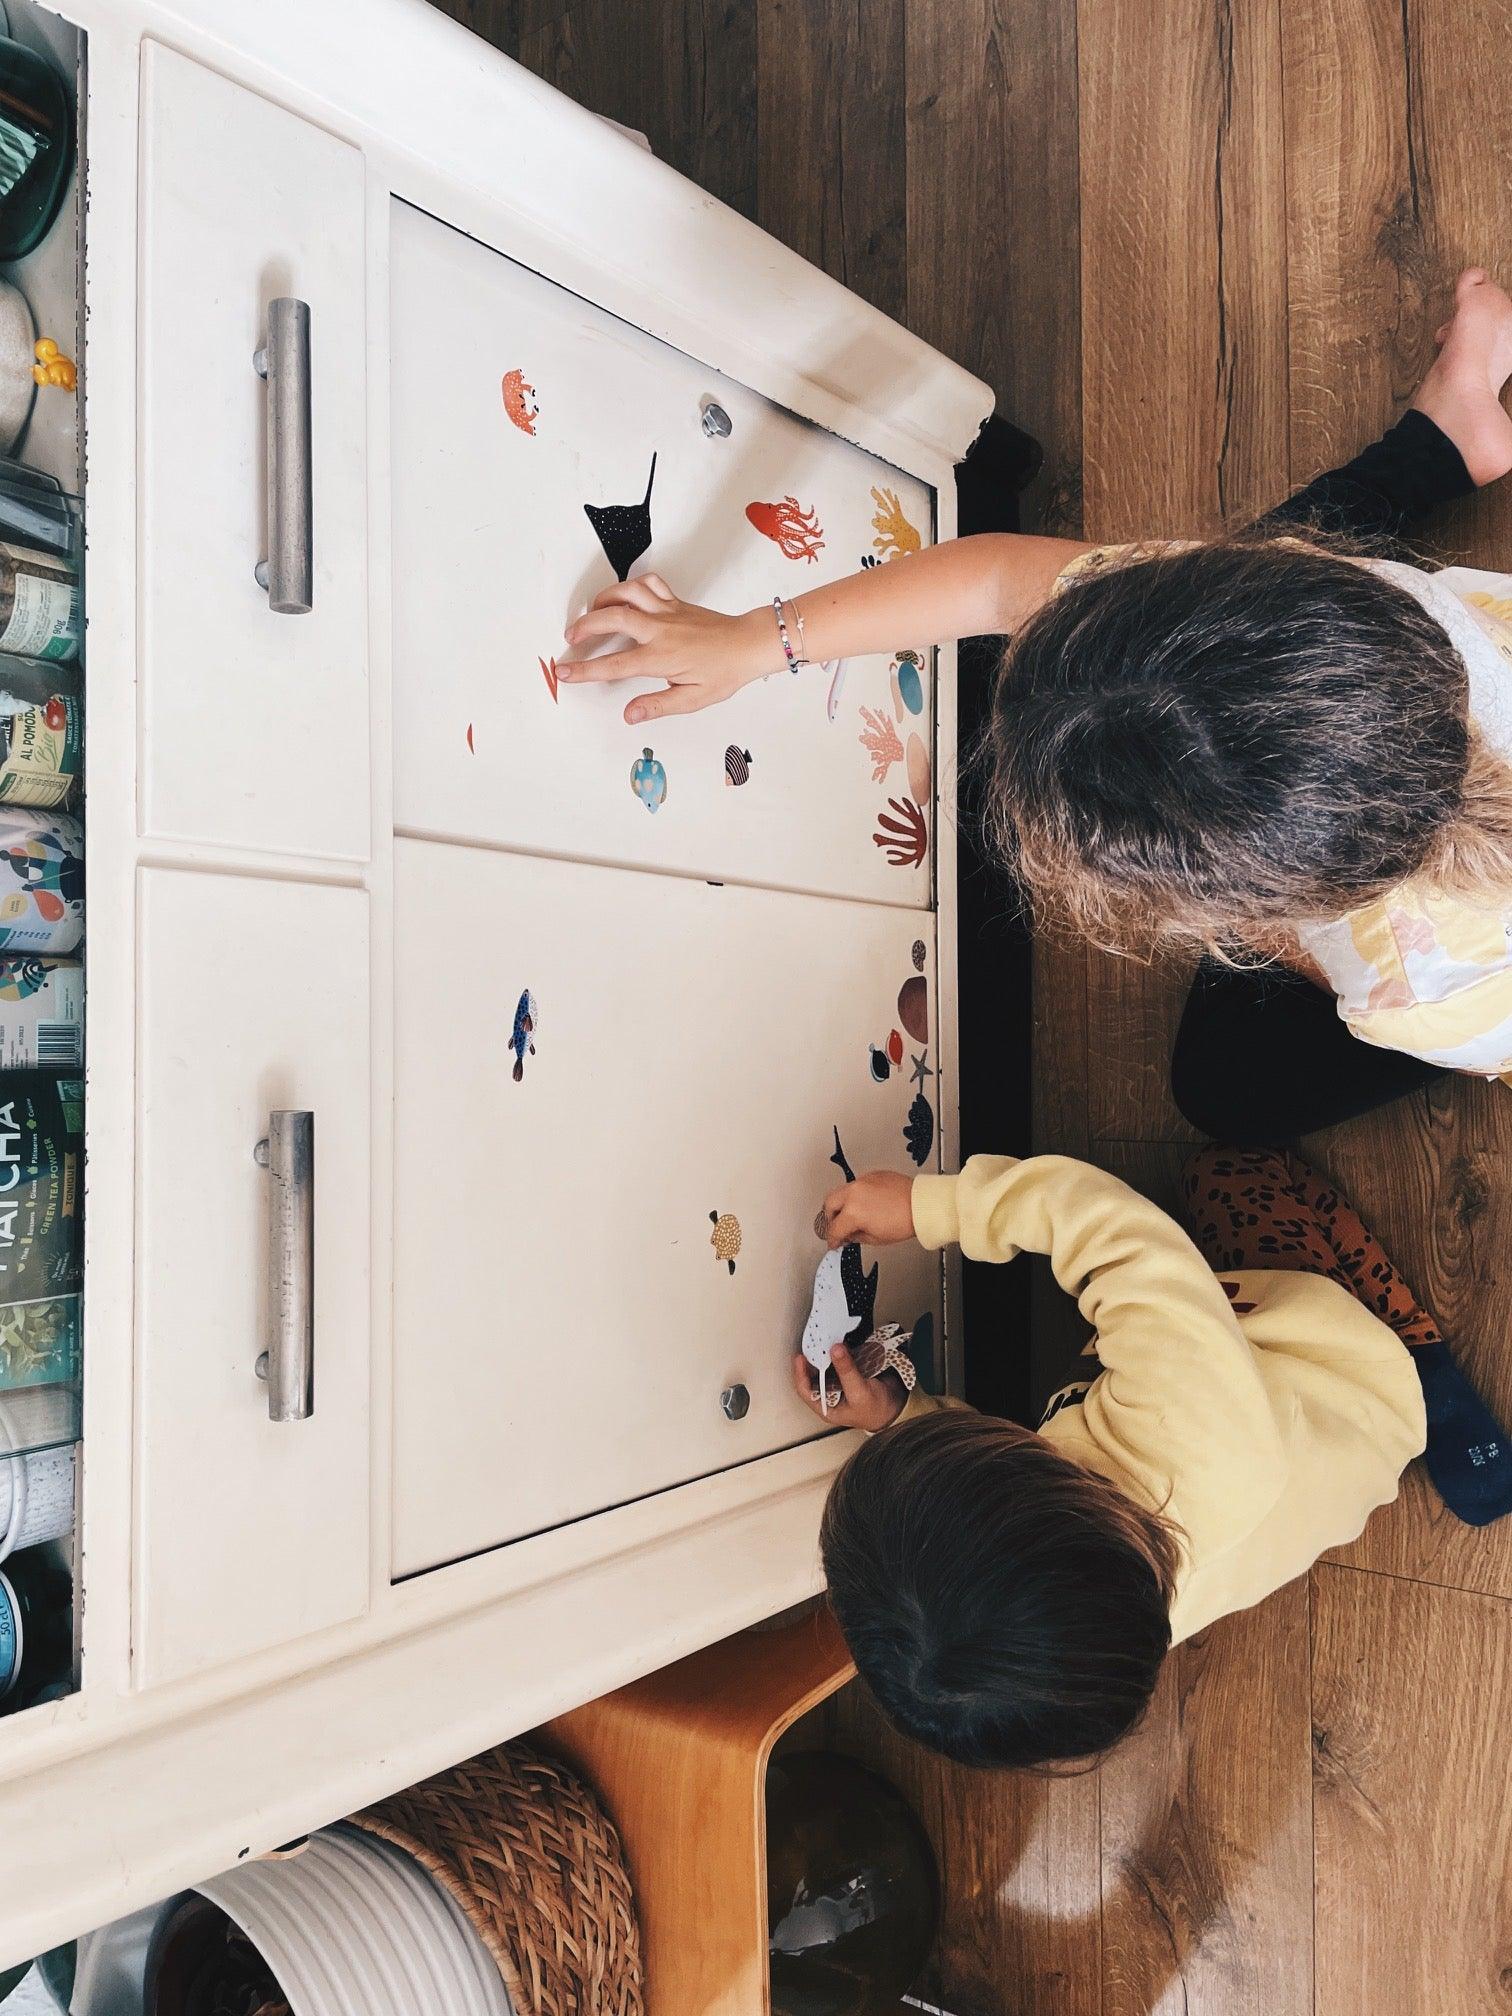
[354, 1927]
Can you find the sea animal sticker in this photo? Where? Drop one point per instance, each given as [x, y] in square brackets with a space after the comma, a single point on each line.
[918, 955]
[922, 1071]
[881, 1065]
[470, 749]
[549, 674]
[843, 1306]
[895, 1047]
[522, 1036]
[725, 1238]
[919, 1130]
[836, 668]
[918, 771]
[648, 780]
[903, 835]
[870, 560]
[624, 530]
[879, 738]
[913, 1008]
[519, 401]
[797, 532]
[53, 367]
[908, 680]
[894, 533]
[737, 765]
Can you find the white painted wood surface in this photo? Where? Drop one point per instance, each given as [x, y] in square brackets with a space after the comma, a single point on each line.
[254, 725]
[253, 996]
[563, 1325]
[141, 1783]
[493, 554]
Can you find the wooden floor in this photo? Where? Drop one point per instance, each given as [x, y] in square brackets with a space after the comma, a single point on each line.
[1198, 248]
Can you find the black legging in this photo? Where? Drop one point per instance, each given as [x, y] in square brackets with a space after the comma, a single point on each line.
[1261, 1054]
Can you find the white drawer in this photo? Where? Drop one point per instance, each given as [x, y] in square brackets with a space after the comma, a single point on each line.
[254, 724]
[252, 996]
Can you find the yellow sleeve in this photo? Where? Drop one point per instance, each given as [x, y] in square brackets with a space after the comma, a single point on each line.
[1180, 1410]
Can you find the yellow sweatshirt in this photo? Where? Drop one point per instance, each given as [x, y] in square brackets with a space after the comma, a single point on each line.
[1268, 1427]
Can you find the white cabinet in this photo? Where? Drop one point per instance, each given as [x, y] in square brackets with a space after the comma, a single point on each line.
[494, 552]
[563, 1323]
[254, 725]
[253, 996]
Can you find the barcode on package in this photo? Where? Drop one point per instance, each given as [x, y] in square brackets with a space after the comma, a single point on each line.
[60, 1043]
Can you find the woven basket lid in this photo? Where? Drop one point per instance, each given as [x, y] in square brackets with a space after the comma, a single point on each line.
[523, 1845]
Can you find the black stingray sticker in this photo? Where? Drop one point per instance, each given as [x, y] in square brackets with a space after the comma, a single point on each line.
[624, 530]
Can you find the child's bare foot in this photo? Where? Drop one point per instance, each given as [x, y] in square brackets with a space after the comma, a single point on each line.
[1462, 393]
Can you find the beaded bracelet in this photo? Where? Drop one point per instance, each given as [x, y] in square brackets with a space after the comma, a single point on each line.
[794, 662]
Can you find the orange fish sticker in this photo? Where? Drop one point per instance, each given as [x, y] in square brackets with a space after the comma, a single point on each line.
[549, 674]
[519, 401]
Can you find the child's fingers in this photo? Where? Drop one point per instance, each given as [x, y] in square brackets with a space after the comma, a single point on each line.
[670, 700]
[610, 665]
[855, 1388]
[622, 620]
[636, 594]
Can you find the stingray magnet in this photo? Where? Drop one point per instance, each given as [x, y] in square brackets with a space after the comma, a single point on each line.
[918, 1132]
[913, 1008]
[908, 679]
[648, 780]
[796, 532]
[879, 739]
[521, 1037]
[894, 533]
[549, 674]
[918, 955]
[519, 401]
[725, 1238]
[624, 530]
[904, 837]
[737, 765]
[844, 1301]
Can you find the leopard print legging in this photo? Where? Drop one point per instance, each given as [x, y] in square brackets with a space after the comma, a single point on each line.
[1266, 1208]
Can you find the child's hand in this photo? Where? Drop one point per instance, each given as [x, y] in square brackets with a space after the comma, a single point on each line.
[877, 1209]
[703, 656]
[868, 1404]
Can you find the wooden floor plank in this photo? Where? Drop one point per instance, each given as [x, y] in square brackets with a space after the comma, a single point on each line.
[831, 122]
[1018, 1860]
[993, 269]
[1207, 1829]
[1183, 369]
[1412, 1699]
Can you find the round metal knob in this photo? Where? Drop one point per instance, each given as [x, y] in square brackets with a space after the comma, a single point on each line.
[717, 424]
[736, 1402]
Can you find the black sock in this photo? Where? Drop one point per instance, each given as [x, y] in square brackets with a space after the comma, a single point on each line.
[1469, 1456]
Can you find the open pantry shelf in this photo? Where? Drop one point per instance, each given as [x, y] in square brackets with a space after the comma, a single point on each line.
[41, 870]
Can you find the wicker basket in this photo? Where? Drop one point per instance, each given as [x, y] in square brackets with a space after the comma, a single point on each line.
[527, 1851]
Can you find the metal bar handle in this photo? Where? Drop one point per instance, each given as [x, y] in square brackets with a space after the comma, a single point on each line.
[288, 1364]
[288, 572]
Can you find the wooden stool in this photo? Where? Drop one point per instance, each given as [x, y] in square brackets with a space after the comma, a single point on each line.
[680, 1761]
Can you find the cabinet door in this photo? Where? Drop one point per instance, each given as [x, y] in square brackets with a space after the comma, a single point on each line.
[252, 996]
[514, 406]
[255, 724]
[566, 1314]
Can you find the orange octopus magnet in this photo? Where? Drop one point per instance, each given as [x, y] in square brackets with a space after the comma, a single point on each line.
[795, 531]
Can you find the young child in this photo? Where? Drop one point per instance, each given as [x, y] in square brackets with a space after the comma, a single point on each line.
[1009, 1596]
[1261, 744]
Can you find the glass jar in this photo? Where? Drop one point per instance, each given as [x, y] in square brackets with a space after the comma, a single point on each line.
[36, 147]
